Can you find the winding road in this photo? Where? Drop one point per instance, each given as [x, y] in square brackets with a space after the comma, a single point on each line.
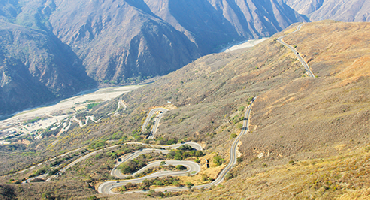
[158, 148]
[232, 162]
[193, 167]
[156, 121]
[304, 63]
[86, 156]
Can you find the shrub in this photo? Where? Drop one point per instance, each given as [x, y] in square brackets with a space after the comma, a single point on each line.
[151, 192]
[229, 176]
[93, 198]
[240, 126]
[91, 105]
[180, 167]
[218, 160]
[189, 185]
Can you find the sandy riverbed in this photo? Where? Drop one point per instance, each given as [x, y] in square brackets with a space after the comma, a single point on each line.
[242, 45]
[56, 113]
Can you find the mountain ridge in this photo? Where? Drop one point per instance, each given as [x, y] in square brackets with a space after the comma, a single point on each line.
[306, 131]
[126, 41]
[36, 71]
[348, 11]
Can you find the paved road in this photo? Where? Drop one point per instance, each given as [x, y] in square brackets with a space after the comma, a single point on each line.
[156, 121]
[44, 162]
[130, 156]
[232, 162]
[117, 173]
[120, 105]
[194, 145]
[107, 187]
[191, 166]
[305, 65]
[64, 169]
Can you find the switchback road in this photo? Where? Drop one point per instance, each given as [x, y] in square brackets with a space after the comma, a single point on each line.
[159, 148]
[158, 112]
[107, 187]
[191, 166]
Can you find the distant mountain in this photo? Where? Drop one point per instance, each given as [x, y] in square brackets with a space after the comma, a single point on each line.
[36, 68]
[57, 42]
[118, 41]
[124, 39]
[343, 10]
[307, 138]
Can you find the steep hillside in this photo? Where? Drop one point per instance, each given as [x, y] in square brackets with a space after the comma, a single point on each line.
[125, 41]
[305, 7]
[118, 41]
[308, 137]
[207, 21]
[316, 10]
[311, 135]
[36, 68]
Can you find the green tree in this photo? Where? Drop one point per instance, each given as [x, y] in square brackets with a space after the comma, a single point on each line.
[218, 160]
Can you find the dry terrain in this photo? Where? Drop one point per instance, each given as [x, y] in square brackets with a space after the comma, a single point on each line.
[308, 138]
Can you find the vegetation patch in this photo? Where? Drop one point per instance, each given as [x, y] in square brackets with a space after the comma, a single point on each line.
[147, 184]
[136, 164]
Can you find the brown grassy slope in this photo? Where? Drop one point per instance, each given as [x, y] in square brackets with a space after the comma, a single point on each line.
[342, 48]
[207, 93]
[294, 118]
[308, 120]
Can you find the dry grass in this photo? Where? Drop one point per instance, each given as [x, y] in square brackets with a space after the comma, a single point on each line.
[211, 172]
[321, 124]
[295, 118]
[344, 46]
[341, 177]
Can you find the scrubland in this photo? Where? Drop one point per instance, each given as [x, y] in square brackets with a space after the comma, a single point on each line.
[313, 134]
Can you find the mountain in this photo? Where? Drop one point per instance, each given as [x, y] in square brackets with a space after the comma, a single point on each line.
[36, 68]
[308, 137]
[343, 10]
[126, 39]
[118, 41]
